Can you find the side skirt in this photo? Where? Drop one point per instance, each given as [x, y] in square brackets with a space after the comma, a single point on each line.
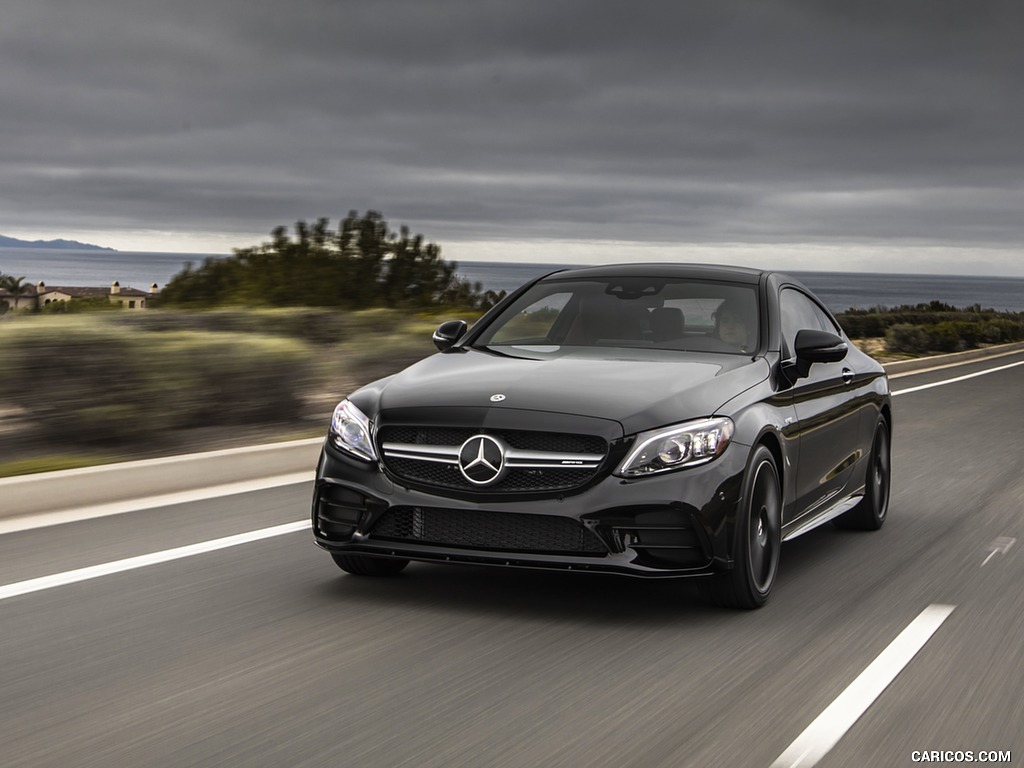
[809, 523]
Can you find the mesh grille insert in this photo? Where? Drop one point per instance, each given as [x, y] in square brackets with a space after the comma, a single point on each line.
[495, 531]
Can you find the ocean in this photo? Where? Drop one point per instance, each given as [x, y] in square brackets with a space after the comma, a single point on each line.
[839, 290]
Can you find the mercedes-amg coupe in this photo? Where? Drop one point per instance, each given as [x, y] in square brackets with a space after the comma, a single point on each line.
[656, 420]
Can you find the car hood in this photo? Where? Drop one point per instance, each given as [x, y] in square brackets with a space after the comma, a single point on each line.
[640, 389]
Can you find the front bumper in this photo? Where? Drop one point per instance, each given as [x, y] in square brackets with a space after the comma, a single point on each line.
[675, 524]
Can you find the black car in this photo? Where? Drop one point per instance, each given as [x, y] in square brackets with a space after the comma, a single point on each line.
[650, 420]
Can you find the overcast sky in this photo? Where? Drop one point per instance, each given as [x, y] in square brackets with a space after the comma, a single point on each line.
[804, 134]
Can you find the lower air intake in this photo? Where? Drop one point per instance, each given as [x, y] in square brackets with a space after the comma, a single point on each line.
[493, 531]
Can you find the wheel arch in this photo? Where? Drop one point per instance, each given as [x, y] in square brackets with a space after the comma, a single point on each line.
[771, 441]
[886, 413]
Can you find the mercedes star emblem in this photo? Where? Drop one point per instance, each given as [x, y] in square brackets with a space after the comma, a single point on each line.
[482, 460]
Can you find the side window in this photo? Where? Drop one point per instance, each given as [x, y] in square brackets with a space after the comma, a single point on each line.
[798, 313]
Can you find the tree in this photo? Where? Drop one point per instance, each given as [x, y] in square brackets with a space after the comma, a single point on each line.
[14, 286]
[363, 264]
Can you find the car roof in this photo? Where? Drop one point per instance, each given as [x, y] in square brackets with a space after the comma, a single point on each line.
[663, 269]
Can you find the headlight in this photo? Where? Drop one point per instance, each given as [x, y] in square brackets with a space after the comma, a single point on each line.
[350, 431]
[683, 445]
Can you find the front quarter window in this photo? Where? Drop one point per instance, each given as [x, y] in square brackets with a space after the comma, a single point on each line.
[798, 313]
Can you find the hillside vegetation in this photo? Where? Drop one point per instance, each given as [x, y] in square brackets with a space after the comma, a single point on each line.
[933, 327]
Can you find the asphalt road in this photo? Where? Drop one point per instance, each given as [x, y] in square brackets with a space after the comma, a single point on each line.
[264, 654]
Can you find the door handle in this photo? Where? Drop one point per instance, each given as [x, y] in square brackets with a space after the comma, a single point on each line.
[847, 376]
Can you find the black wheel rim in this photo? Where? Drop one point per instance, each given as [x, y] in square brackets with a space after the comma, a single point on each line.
[763, 529]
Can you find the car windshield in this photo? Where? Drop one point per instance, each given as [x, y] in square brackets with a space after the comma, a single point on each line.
[633, 312]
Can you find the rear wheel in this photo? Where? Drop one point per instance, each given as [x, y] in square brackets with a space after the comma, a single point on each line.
[368, 565]
[869, 514]
[758, 538]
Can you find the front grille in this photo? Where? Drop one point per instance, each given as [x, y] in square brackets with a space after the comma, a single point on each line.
[494, 531]
[446, 474]
[554, 442]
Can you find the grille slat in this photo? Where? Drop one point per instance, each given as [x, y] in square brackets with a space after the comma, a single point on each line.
[554, 442]
[492, 531]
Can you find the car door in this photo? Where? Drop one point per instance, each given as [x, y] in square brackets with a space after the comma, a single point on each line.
[826, 411]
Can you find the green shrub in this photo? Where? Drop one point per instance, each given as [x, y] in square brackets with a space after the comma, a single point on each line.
[86, 381]
[946, 337]
[907, 338]
[950, 335]
[66, 375]
[78, 306]
[314, 325]
[970, 323]
[858, 326]
[198, 379]
[1001, 330]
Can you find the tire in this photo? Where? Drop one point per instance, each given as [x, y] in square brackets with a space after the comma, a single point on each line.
[368, 565]
[869, 514]
[758, 538]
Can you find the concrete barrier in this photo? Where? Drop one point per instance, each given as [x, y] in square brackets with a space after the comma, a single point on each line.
[76, 488]
[954, 358]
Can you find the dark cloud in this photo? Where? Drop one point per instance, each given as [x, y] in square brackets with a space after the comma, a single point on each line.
[724, 121]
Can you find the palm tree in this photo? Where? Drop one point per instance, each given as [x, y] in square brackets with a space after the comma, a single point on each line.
[14, 286]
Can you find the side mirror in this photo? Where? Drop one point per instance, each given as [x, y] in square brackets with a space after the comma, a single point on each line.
[815, 347]
[820, 347]
[448, 333]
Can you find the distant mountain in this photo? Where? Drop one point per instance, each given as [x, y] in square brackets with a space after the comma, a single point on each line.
[69, 245]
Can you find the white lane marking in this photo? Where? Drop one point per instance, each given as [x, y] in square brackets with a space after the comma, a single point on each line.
[999, 546]
[829, 727]
[958, 378]
[44, 519]
[131, 563]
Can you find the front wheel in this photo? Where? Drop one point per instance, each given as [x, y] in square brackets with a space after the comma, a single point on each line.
[758, 538]
[368, 565]
[870, 512]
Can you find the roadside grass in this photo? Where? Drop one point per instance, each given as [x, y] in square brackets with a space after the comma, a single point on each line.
[53, 463]
[119, 386]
